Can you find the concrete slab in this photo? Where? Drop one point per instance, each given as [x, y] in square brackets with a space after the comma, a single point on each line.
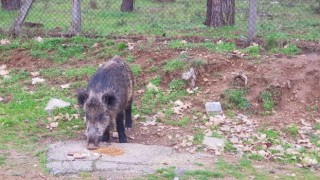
[136, 160]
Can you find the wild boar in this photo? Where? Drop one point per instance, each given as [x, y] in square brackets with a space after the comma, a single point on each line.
[107, 100]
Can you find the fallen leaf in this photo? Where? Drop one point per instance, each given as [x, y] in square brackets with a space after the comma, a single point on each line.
[54, 124]
[39, 39]
[4, 72]
[65, 86]
[36, 73]
[4, 42]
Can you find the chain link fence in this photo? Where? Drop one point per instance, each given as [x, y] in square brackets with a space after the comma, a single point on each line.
[296, 19]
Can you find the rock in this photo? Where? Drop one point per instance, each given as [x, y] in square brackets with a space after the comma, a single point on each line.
[213, 107]
[214, 143]
[35, 73]
[189, 76]
[37, 80]
[56, 103]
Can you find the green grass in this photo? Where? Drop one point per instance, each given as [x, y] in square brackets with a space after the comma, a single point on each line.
[173, 65]
[3, 158]
[177, 84]
[236, 99]
[136, 69]
[292, 130]
[184, 121]
[267, 101]
[156, 81]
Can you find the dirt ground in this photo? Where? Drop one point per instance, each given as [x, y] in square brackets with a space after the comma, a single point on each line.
[296, 80]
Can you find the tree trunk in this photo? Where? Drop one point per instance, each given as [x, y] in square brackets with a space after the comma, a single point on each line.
[11, 4]
[127, 6]
[22, 16]
[220, 12]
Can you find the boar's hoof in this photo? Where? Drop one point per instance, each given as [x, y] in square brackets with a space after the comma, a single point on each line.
[92, 147]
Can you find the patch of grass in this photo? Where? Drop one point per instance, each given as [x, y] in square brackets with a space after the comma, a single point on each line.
[153, 69]
[79, 73]
[173, 65]
[256, 157]
[42, 156]
[271, 133]
[267, 101]
[236, 99]
[312, 108]
[184, 121]
[167, 173]
[177, 84]
[202, 174]
[178, 44]
[3, 159]
[130, 59]
[253, 51]
[229, 147]
[198, 137]
[290, 49]
[156, 81]
[136, 69]
[317, 126]
[224, 47]
[292, 130]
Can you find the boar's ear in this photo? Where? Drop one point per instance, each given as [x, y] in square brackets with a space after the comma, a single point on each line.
[82, 96]
[109, 99]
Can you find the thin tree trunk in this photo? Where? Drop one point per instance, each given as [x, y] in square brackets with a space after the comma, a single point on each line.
[76, 17]
[22, 16]
[10, 5]
[127, 6]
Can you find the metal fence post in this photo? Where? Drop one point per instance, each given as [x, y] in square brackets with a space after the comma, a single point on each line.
[26, 6]
[252, 25]
[76, 17]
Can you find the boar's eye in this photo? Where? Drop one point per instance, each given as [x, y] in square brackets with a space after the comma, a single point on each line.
[82, 97]
[109, 99]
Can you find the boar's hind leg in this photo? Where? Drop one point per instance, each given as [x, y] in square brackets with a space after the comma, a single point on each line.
[106, 136]
[128, 115]
[120, 128]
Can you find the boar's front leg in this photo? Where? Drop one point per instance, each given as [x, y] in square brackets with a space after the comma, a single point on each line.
[128, 115]
[106, 136]
[120, 128]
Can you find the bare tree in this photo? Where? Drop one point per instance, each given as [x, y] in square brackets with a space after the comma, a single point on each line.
[127, 5]
[220, 12]
[11, 4]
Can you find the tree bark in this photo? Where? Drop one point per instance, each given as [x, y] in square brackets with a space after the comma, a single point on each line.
[10, 5]
[220, 12]
[127, 6]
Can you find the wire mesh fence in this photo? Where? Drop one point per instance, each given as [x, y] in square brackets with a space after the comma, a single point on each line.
[288, 18]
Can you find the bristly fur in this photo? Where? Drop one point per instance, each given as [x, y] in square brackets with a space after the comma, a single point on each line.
[109, 94]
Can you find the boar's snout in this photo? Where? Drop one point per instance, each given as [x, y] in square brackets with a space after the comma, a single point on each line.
[93, 138]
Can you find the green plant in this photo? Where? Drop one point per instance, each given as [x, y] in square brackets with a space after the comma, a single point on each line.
[292, 130]
[237, 98]
[136, 69]
[182, 122]
[156, 81]
[2, 159]
[290, 49]
[173, 65]
[177, 84]
[229, 147]
[253, 50]
[256, 157]
[130, 59]
[225, 47]
[267, 101]
[177, 44]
